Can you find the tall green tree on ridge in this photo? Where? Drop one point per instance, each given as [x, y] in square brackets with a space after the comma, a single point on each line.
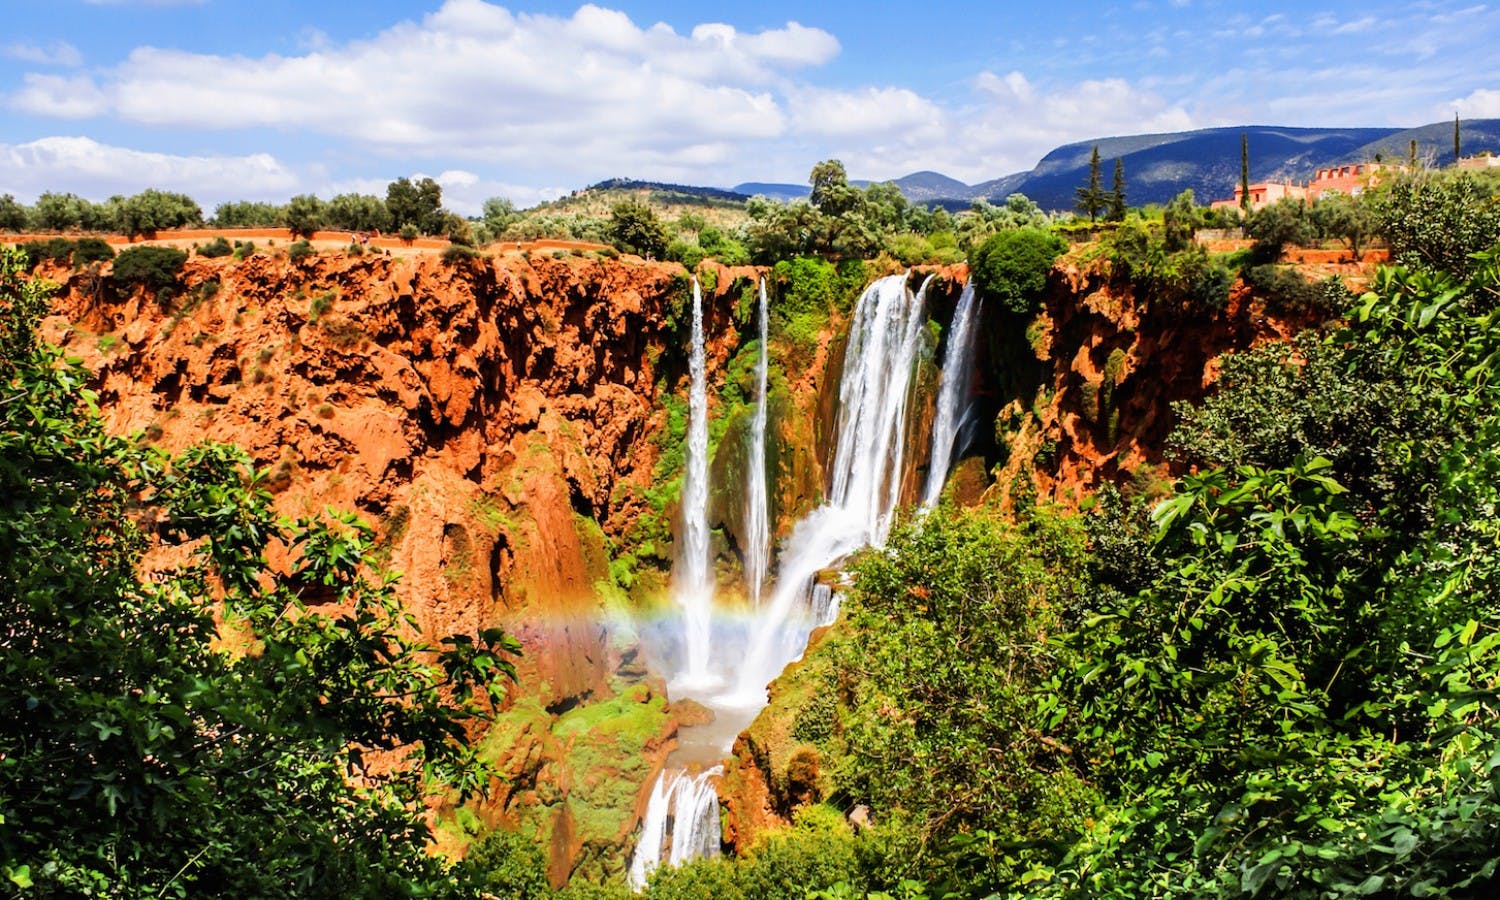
[1117, 192]
[1091, 197]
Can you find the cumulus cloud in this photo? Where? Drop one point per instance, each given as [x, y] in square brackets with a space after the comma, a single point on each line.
[59, 96]
[475, 81]
[1482, 104]
[57, 53]
[83, 166]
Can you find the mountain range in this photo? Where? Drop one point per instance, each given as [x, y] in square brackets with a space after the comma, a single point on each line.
[1160, 166]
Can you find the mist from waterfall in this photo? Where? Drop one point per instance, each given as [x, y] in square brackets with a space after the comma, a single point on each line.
[953, 394]
[694, 575]
[757, 498]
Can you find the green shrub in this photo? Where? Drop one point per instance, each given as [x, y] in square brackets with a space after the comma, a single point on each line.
[1011, 266]
[685, 252]
[91, 249]
[154, 268]
[409, 232]
[456, 254]
[1438, 220]
[55, 249]
[244, 250]
[215, 248]
[300, 250]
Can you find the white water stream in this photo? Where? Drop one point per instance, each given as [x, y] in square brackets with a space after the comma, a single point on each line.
[865, 485]
[953, 395]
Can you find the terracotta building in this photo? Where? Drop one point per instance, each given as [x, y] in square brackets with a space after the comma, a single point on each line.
[1263, 193]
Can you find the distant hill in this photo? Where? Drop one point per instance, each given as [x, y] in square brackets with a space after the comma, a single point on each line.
[773, 191]
[658, 187]
[1158, 167]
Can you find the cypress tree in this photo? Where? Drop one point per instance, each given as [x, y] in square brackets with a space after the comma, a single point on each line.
[1457, 147]
[1091, 198]
[1244, 172]
[1117, 192]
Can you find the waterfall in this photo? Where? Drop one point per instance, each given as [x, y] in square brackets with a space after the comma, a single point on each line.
[879, 362]
[694, 579]
[691, 804]
[953, 395]
[757, 501]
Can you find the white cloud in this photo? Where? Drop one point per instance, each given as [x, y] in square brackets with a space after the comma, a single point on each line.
[57, 53]
[868, 112]
[63, 97]
[84, 166]
[1481, 104]
[474, 81]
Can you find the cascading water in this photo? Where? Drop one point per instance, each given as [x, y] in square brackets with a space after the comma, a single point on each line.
[694, 586]
[879, 362]
[885, 339]
[690, 803]
[757, 502]
[953, 395]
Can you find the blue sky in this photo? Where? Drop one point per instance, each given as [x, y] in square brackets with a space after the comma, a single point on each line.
[231, 100]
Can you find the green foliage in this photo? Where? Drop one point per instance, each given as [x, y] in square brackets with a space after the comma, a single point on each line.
[459, 254]
[510, 865]
[155, 268]
[634, 228]
[1436, 220]
[299, 250]
[57, 212]
[1092, 199]
[1011, 266]
[247, 214]
[91, 249]
[139, 754]
[945, 659]
[304, 215]
[1277, 224]
[215, 248]
[357, 212]
[418, 204]
[151, 211]
[13, 215]
[1350, 219]
[57, 249]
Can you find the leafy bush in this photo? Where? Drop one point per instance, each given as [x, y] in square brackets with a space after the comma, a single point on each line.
[300, 250]
[634, 228]
[54, 249]
[1011, 266]
[458, 254]
[91, 249]
[1277, 224]
[149, 758]
[215, 248]
[244, 249]
[1437, 220]
[155, 268]
[304, 214]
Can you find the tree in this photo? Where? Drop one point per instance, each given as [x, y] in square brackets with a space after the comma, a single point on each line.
[248, 214]
[498, 213]
[1091, 198]
[305, 213]
[634, 228]
[12, 214]
[1347, 218]
[1437, 219]
[1011, 266]
[1274, 226]
[1179, 221]
[358, 212]
[57, 212]
[141, 756]
[152, 210]
[1117, 192]
[416, 203]
[1244, 172]
[831, 193]
[1458, 150]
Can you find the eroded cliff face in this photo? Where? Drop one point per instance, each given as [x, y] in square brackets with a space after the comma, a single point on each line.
[496, 419]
